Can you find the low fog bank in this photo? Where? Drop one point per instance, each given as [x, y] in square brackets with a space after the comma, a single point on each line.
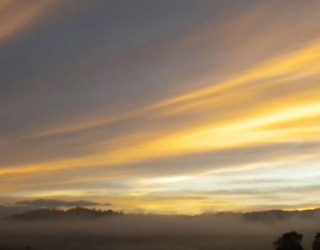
[143, 232]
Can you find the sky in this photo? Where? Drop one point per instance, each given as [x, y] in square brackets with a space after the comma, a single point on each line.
[169, 107]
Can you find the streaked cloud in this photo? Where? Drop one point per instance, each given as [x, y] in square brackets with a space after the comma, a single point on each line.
[109, 100]
[17, 15]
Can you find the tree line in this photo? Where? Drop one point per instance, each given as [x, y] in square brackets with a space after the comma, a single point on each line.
[293, 241]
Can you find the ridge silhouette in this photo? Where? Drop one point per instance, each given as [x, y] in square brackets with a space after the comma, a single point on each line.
[73, 213]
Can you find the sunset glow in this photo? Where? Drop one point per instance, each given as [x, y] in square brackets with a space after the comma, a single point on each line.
[155, 110]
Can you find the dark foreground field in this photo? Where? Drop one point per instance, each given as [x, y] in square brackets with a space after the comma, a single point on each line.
[152, 233]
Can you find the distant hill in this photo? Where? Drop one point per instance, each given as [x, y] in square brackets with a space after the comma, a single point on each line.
[6, 211]
[73, 213]
[280, 215]
[269, 216]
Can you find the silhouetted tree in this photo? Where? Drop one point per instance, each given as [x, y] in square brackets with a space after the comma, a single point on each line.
[316, 242]
[289, 241]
